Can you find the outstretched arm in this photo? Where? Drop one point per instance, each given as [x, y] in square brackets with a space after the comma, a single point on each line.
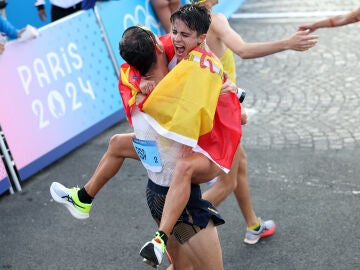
[339, 20]
[300, 41]
[7, 28]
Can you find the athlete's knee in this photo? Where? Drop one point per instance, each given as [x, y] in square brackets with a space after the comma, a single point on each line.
[226, 184]
[115, 140]
[185, 166]
[120, 145]
[115, 143]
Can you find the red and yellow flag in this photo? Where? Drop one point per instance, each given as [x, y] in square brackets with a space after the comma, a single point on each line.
[220, 144]
[129, 84]
[186, 107]
[182, 106]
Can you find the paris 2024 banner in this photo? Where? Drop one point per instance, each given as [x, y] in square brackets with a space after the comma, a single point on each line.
[57, 91]
[60, 89]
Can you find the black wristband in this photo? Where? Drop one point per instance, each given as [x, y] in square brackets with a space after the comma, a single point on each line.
[241, 93]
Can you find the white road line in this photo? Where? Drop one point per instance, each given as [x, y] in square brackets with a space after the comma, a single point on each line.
[286, 14]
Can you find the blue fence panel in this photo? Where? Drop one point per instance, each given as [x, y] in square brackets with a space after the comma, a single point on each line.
[23, 12]
[60, 89]
[116, 16]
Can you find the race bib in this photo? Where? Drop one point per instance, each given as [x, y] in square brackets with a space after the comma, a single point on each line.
[148, 154]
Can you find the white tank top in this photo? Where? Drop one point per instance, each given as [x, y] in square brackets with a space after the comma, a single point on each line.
[169, 150]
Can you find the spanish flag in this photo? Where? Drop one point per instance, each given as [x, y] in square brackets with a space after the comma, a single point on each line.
[186, 106]
[183, 104]
[220, 144]
[129, 84]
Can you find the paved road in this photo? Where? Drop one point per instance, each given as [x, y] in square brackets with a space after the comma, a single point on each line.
[303, 147]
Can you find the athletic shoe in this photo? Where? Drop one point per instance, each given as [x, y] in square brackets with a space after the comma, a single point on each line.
[267, 228]
[153, 251]
[69, 198]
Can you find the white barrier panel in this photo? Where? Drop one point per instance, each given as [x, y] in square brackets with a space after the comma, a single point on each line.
[226, 7]
[116, 16]
[21, 13]
[57, 91]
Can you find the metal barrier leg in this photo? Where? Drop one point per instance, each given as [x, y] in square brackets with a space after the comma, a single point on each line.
[9, 163]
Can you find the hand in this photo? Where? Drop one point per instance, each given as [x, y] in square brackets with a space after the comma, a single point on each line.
[228, 86]
[42, 14]
[139, 98]
[302, 41]
[309, 27]
[20, 32]
[2, 47]
[146, 86]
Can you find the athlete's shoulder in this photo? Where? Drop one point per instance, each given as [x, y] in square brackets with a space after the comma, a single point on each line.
[218, 17]
[219, 24]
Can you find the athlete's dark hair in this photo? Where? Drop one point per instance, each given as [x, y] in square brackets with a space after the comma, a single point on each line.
[138, 48]
[196, 17]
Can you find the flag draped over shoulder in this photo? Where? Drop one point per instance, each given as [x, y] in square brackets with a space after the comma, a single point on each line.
[182, 106]
[213, 121]
[186, 107]
[129, 85]
[221, 143]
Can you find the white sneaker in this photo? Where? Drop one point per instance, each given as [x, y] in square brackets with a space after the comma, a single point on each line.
[69, 198]
[153, 251]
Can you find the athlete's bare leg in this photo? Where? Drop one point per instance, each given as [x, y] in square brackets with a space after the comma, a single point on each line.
[120, 147]
[236, 181]
[225, 184]
[195, 165]
[242, 192]
[200, 252]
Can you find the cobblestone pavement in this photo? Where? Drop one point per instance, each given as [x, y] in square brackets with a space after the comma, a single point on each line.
[301, 99]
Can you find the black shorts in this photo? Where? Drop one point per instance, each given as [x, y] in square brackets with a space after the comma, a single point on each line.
[195, 216]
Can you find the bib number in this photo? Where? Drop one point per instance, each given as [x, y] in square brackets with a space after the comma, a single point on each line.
[148, 153]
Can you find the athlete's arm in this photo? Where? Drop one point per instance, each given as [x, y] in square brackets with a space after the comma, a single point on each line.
[339, 20]
[299, 41]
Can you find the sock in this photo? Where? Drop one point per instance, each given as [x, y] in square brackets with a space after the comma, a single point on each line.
[163, 236]
[84, 197]
[255, 227]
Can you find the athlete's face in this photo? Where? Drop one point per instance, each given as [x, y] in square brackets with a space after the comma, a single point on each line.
[184, 39]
